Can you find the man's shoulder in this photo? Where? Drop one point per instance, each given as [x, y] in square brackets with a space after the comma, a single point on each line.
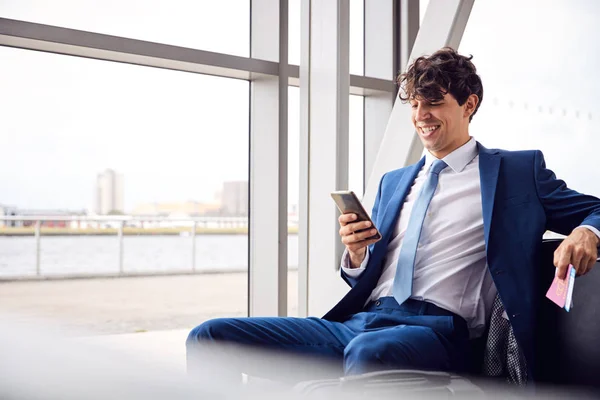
[518, 153]
[510, 154]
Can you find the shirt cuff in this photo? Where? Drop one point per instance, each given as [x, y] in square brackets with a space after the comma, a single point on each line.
[354, 272]
[591, 228]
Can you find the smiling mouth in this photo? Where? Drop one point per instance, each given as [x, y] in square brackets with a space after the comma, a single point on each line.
[429, 129]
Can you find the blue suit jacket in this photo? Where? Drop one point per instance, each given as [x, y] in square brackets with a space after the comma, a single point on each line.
[521, 199]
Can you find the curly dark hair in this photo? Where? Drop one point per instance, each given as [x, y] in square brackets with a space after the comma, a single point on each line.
[445, 71]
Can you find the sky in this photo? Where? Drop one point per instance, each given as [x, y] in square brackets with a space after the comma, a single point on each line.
[176, 136]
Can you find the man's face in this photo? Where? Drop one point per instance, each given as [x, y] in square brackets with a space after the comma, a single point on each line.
[442, 126]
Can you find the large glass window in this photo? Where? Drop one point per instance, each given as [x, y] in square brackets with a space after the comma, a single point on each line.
[540, 82]
[356, 145]
[357, 37]
[103, 148]
[294, 30]
[222, 26]
[357, 40]
[422, 8]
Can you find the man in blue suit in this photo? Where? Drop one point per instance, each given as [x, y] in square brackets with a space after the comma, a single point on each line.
[457, 228]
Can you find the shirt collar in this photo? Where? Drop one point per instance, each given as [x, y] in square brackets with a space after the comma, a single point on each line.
[458, 159]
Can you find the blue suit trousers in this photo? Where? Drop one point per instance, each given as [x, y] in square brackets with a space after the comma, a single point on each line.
[415, 335]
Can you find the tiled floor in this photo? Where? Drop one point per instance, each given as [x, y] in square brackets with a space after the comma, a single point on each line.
[90, 307]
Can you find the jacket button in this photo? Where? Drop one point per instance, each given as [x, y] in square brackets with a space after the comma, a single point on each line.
[498, 272]
[377, 303]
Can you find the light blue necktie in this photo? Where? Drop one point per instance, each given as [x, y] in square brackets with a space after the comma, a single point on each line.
[403, 281]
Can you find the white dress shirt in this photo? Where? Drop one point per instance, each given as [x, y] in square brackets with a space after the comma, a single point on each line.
[450, 266]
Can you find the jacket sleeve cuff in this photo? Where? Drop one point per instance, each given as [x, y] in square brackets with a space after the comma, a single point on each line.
[353, 272]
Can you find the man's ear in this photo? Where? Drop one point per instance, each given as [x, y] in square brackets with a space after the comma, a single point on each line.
[471, 105]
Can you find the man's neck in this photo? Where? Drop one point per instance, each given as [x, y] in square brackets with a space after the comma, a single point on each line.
[443, 153]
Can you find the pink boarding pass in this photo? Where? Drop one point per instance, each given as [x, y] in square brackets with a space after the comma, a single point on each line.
[558, 290]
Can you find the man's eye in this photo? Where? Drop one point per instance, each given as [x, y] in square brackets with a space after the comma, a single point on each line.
[435, 104]
[413, 105]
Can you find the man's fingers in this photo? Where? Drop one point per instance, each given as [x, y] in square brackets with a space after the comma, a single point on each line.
[562, 259]
[581, 258]
[578, 260]
[371, 241]
[579, 249]
[355, 235]
[366, 234]
[358, 236]
[346, 218]
[350, 228]
[361, 244]
[578, 256]
[561, 272]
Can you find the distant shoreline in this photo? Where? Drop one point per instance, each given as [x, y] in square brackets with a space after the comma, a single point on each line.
[127, 231]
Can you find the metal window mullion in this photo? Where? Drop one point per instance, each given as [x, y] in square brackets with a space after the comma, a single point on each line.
[268, 164]
[304, 159]
[34, 36]
[282, 267]
[325, 60]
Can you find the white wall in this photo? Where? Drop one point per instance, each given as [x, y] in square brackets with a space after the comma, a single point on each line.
[539, 70]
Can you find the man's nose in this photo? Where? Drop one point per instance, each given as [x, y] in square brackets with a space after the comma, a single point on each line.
[422, 113]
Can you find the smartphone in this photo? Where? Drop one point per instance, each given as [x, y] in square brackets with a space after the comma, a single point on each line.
[347, 202]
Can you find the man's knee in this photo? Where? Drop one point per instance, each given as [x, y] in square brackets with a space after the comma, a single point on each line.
[362, 356]
[415, 347]
[211, 330]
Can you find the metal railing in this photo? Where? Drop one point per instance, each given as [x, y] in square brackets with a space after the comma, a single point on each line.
[120, 222]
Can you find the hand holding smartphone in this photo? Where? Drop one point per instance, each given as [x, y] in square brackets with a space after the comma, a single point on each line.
[347, 202]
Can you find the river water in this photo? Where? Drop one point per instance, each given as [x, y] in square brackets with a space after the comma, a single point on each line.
[64, 255]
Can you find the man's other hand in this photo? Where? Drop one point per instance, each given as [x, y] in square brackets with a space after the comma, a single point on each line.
[356, 242]
[580, 249]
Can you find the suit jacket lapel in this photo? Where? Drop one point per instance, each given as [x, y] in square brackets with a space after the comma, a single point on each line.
[392, 210]
[489, 167]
